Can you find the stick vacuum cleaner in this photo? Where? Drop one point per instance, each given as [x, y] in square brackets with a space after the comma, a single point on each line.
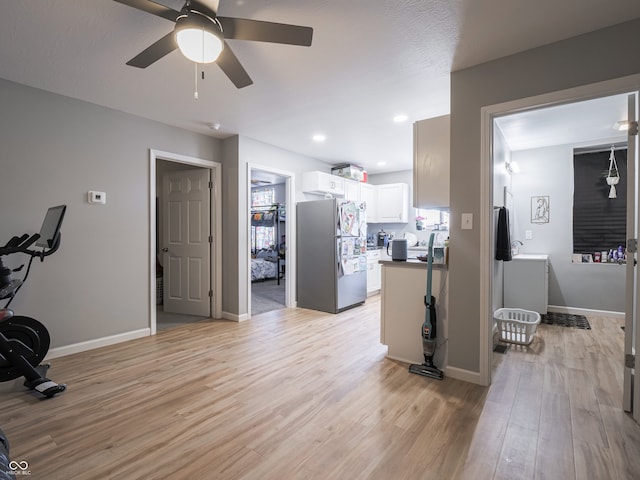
[428, 329]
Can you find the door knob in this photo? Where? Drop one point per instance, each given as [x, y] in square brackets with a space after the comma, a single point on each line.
[165, 249]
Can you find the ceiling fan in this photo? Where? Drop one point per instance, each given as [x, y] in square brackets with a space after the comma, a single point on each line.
[200, 35]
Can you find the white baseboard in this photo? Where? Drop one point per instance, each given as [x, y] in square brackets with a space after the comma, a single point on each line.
[235, 317]
[585, 311]
[453, 372]
[408, 361]
[464, 375]
[97, 343]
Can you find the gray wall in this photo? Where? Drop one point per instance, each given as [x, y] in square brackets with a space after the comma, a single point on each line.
[55, 149]
[238, 153]
[549, 171]
[231, 185]
[602, 55]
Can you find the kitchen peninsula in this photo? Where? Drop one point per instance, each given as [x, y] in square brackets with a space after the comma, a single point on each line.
[403, 311]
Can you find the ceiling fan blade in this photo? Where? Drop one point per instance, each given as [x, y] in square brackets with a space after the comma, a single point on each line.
[154, 52]
[259, 31]
[152, 7]
[231, 66]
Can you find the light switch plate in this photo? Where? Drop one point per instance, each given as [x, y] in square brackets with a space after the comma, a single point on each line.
[467, 221]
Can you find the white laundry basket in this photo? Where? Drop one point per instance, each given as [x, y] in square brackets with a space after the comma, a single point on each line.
[516, 325]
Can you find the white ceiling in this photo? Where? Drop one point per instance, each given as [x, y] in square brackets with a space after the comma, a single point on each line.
[592, 122]
[370, 60]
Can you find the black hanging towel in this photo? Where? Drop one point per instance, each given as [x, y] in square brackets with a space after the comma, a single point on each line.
[503, 241]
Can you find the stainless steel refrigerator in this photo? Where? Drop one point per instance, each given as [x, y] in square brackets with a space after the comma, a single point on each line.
[332, 254]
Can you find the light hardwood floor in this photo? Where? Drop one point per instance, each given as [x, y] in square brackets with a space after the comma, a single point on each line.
[298, 394]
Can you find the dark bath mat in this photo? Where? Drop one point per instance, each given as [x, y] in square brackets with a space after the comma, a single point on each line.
[565, 320]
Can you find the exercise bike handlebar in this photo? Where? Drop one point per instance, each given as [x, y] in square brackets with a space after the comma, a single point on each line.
[21, 245]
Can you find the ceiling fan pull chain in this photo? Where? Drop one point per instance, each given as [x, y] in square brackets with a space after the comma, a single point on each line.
[195, 94]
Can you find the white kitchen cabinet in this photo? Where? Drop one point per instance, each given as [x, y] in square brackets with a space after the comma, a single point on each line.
[368, 195]
[374, 271]
[526, 282]
[431, 162]
[321, 183]
[392, 203]
[351, 190]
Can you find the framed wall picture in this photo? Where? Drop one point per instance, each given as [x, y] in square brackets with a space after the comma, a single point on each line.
[540, 209]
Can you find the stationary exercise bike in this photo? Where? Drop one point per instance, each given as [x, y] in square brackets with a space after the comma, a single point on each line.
[24, 341]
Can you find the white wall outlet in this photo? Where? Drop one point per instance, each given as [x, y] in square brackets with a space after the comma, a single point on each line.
[97, 197]
[467, 221]
[528, 234]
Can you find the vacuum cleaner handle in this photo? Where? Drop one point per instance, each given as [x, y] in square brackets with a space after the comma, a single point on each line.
[430, 264]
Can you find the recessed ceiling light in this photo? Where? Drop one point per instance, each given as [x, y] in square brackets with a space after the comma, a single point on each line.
[319, 137]
[381, 164]
[622, 125]
[400, 118]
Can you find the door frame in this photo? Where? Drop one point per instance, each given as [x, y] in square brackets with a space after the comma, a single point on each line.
[617, 86]
[215, 224]
[631, 383]
[290, 232]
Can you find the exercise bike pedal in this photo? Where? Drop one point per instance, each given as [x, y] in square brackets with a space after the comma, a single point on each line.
[46, 387]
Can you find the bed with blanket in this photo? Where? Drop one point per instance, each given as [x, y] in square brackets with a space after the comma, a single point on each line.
[264, 266]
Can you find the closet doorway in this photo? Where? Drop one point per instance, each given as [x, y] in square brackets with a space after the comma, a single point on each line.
[269, 227]
[185, 243]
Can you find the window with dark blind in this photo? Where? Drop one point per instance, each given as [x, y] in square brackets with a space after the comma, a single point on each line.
[599, 222]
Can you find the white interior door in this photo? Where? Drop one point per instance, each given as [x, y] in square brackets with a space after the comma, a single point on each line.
[186, 241]
[631, 387]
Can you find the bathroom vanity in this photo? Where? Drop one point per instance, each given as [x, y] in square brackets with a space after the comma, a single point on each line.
[526, 282]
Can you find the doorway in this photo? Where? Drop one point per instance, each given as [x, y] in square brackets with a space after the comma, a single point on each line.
[270, 223]
[492, 188]
[185, 284]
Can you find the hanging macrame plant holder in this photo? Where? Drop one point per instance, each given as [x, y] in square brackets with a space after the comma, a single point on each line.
[613, 176]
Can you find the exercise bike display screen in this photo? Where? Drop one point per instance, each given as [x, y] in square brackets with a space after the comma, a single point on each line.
[51, 226]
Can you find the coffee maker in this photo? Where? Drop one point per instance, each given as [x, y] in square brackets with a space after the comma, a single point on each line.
[382, 239]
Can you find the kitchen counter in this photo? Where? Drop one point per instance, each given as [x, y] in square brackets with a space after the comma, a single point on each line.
[403, 310]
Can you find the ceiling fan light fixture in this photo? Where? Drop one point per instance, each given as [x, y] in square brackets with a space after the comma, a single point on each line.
[199, 37]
